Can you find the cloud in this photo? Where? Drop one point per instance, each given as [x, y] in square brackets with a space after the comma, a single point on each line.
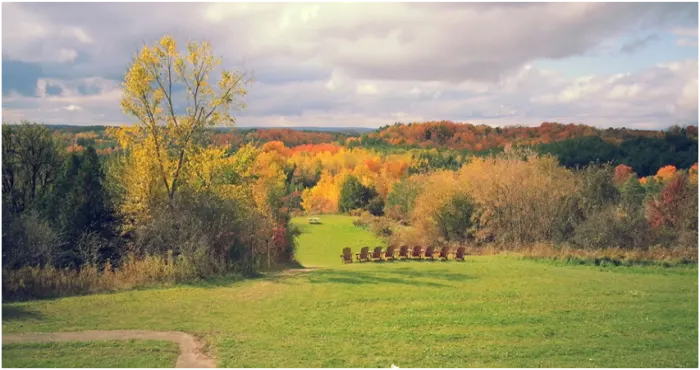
[691, 32]
[73, 108]
[336, 64]
[84, 101]
[687, 37]
[687, 42]
[637, 44]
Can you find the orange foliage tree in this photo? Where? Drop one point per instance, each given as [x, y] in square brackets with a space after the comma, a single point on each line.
[622, 173]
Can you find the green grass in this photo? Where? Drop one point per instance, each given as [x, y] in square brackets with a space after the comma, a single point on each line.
[101, 354]
[321, 245]
[486, 312]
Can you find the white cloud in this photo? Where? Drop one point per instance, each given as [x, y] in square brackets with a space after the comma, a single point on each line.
[72, 108]
[691, 32]
[687, 42]
[366, 89]
[687, 37]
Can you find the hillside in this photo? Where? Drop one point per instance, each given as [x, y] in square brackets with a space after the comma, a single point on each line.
[448, 134]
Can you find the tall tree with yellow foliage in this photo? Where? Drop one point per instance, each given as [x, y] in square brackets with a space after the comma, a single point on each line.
[150, 94]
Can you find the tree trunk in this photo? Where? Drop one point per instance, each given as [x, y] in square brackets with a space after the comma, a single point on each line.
[268, 255]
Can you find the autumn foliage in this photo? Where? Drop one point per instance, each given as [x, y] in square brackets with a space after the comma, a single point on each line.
[622, 174]
[178, 195]
[481, 137]
[167, 206]
[672, 207]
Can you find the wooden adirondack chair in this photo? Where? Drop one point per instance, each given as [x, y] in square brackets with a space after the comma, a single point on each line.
[417, 252]
[377, 254]
[430, 253]
[444, 253]
[363, 255]
[390, 253]
[404, 252]
[346, 257]
[461, 252]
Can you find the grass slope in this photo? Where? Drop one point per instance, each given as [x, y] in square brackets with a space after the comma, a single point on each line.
[101, 354]
[321, 245]
[485, 312]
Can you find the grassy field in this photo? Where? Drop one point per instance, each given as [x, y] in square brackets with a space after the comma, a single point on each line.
[486, 312]
[101, 354]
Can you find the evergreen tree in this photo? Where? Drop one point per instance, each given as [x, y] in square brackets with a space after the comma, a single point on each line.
[80, 208]
[354, 195]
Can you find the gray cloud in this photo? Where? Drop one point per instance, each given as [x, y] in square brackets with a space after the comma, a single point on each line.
[638, 44]
[345, 64]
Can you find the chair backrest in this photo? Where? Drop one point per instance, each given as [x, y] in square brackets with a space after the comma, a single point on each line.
[364, 252]
[461, 251]
[403, 251]
[444, 251]
[347, 252]
[417, 249]
[430, 250]
[390, 250]
[377, 252]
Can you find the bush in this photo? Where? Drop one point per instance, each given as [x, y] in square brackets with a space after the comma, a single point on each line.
[611, 227]
[382, 227]
[210, 232]
[521, 197]
[48, 282]
[29, 240]
[376, 206]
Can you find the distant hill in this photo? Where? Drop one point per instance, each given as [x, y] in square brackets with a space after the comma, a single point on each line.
[465, 136]
[348, 130]
[575, 145]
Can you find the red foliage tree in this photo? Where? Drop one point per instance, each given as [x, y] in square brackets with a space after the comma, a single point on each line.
[666, 209]
[622, 173]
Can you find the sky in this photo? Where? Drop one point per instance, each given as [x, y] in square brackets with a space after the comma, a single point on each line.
[629, 65]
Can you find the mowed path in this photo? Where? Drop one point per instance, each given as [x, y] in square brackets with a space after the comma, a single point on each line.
[191, 355]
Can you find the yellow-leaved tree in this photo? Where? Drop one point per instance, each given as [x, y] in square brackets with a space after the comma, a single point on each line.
[172, 97]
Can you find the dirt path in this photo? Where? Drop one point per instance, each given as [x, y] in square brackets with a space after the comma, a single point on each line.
[190, 348]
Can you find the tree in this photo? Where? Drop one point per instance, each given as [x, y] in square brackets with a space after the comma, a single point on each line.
[79, 205]
[523, 197]
[12, 195]
[169, 133]
[354, 195]
[664, 174]
[622, 174]
[675, 206]
[402, 197]
[31, 160]
[579, 152]
[376, 206]
[444, 211]
[323, 198]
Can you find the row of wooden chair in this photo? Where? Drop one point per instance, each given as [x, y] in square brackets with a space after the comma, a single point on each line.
[403, 253]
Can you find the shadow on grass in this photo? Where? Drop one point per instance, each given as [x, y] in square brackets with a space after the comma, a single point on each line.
[11, 313]
[223, 281]
[408, 272]
[360, 278]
